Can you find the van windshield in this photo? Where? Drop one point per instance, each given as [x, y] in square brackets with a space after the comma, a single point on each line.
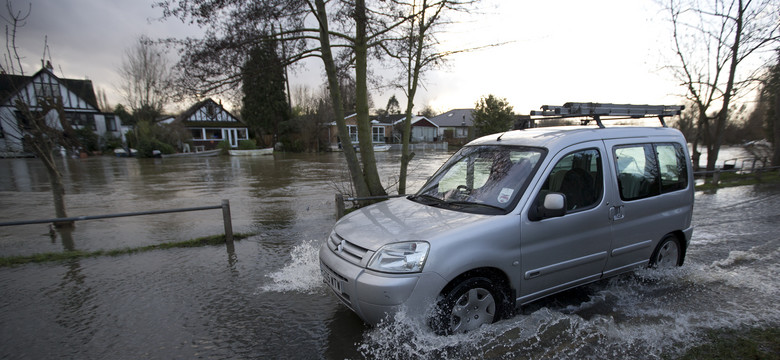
[481, 179]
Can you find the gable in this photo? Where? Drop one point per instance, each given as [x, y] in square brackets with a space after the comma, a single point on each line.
[75, 94]
[209, 113]
[423, 121]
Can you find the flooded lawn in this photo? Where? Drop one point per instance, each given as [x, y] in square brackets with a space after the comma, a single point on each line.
[266, 299]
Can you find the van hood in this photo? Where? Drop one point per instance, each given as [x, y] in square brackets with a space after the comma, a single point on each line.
[398, 220]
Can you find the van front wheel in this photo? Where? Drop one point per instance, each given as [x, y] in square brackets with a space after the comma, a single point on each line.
[668, 253]
[470, 304]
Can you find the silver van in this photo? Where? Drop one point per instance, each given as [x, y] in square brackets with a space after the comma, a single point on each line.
[517, 216]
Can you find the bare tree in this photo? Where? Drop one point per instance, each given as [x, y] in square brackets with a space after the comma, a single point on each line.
[146, 79]
[711, 39]
[340, 33]
[414, 52]
[39, 123]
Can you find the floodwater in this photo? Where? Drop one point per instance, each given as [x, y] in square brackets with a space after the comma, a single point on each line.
[266, 299]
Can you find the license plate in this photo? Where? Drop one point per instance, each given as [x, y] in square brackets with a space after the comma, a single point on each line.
[332, 281]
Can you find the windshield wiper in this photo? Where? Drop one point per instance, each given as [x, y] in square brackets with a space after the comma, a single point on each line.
[432, 200]
[469, 203]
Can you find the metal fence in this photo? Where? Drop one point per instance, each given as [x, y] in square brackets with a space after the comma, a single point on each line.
[225, 206]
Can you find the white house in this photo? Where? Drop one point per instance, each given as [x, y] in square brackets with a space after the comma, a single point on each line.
[79, 106]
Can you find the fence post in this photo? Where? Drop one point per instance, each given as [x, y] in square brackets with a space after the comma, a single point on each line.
[339, 206]
[228, 222]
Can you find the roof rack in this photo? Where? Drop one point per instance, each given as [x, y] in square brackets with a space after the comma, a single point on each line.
[614, 111]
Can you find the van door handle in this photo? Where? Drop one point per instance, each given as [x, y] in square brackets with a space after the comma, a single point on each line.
[616, 213]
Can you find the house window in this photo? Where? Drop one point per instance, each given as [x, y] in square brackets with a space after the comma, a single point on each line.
[353, 133]
[378, 134]
[211, 112]
[47, 90]
[214, 134]
[197, 134]
[81, 119]
[110, 123]
[242, 134]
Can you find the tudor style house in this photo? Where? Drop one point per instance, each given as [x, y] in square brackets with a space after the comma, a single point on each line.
[79, 107]
[209, 123]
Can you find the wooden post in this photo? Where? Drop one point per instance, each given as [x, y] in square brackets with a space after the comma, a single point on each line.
[228, 222]
[339, 206]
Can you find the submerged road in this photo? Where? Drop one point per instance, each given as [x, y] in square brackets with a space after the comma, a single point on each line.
[266, 299]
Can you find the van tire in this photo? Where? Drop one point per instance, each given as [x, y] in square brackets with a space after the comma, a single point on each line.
[470, 304]
[668, 254]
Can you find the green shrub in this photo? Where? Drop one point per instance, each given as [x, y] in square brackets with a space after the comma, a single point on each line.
[224, 146]
[111, 142]
[247, 145]
[87, 138]
[147, 146]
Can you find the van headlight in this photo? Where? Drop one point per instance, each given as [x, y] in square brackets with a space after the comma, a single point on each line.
[404, 257]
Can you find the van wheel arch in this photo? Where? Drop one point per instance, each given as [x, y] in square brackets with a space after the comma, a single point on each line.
[497, 280]
[675, 239]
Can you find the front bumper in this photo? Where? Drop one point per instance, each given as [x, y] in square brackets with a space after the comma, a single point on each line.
[372, 295]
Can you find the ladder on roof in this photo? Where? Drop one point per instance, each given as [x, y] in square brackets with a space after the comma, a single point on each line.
[613, 111]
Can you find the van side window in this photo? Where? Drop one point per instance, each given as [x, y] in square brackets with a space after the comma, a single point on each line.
[578, 176]
[645, 170]
[674, 170]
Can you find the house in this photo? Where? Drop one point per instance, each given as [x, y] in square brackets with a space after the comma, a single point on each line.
[455, 126]
[79, 107]
[423, 130]
[379, 131]
[209, 124]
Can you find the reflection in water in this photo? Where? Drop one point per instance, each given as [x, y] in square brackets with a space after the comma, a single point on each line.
[66, 236]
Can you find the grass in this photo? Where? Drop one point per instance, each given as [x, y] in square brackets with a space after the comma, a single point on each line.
[756, 343]
[728, 179]
[80, 254]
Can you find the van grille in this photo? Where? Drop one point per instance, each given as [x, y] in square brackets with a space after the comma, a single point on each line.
[347, 250]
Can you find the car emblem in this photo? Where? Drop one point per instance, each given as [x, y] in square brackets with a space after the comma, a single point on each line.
[340, 248]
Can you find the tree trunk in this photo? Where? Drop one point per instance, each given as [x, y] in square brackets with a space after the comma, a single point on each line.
[723, 115]
[57, 188]
[776, 130]
[358, 181]
[413, 78]
[365, 138]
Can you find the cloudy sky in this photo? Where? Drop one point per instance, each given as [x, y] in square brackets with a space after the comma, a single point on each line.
[556, 51]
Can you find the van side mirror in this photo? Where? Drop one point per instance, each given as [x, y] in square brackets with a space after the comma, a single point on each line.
[554, 205]
[551, 205]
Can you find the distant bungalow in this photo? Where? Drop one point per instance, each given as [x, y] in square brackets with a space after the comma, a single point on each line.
[209, 123]
[385, 130]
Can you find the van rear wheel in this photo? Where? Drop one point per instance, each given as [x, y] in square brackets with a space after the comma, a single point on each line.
[470, 304]
[668, 254]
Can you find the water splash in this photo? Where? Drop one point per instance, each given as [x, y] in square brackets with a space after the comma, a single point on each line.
[643, 315]
[301, 274]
